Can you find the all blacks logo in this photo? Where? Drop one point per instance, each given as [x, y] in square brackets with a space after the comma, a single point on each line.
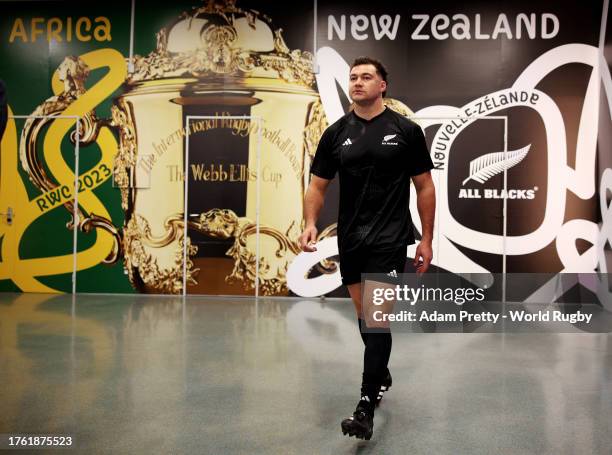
[483, 168]
[477, 156]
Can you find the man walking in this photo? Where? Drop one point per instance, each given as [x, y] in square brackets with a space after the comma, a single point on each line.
[375, 152]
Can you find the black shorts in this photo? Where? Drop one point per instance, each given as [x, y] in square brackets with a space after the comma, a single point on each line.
[366, 260]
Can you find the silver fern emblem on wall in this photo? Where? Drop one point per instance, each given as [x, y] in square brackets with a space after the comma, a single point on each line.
[486, 166]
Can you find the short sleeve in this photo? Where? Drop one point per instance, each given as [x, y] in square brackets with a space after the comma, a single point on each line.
[420, 161]
[324, 164]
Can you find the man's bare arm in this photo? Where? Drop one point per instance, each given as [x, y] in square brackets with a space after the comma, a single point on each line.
[313, 202]
[426, 204]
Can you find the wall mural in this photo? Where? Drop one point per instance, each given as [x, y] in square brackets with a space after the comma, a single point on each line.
[242, 87]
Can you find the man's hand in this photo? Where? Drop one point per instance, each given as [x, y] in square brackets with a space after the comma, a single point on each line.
[313, 202]
[308, 238]
[426, 203]
[423, 256]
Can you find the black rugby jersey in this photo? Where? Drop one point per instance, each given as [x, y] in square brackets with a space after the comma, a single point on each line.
[374, 159]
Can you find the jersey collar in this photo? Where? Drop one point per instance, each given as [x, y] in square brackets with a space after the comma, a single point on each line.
[373, 118]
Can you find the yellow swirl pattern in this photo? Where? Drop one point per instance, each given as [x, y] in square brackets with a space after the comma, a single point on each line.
[23, 272]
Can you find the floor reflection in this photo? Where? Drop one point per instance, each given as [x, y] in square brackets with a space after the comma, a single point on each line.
[203, 375]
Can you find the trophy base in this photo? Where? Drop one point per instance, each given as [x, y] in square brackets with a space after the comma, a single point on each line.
[211, 278]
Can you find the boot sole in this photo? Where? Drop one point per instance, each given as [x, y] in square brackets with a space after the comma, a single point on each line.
[356, 433]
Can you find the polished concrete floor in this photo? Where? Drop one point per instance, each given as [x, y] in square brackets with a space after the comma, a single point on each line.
[138, 374]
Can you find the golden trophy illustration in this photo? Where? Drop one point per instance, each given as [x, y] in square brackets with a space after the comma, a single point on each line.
[216, 60]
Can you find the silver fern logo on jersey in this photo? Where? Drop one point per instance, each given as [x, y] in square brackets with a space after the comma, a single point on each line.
[489, 165]
[387, 138]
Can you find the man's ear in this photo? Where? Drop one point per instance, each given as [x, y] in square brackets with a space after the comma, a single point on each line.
[383, 85]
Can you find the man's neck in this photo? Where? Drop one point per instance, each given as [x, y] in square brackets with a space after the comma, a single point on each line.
[370, 110]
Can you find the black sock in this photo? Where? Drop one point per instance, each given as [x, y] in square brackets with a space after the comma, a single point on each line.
[375, 361]
[364, 336]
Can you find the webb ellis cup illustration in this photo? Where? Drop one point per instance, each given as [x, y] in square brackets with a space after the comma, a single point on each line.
[216, 60]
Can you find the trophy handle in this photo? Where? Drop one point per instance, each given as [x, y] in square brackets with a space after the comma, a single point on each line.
[72, 72]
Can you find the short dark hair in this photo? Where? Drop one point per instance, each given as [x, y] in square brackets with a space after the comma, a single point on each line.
[380, 68]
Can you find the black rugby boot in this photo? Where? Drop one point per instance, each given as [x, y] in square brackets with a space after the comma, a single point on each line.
[361, 423]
